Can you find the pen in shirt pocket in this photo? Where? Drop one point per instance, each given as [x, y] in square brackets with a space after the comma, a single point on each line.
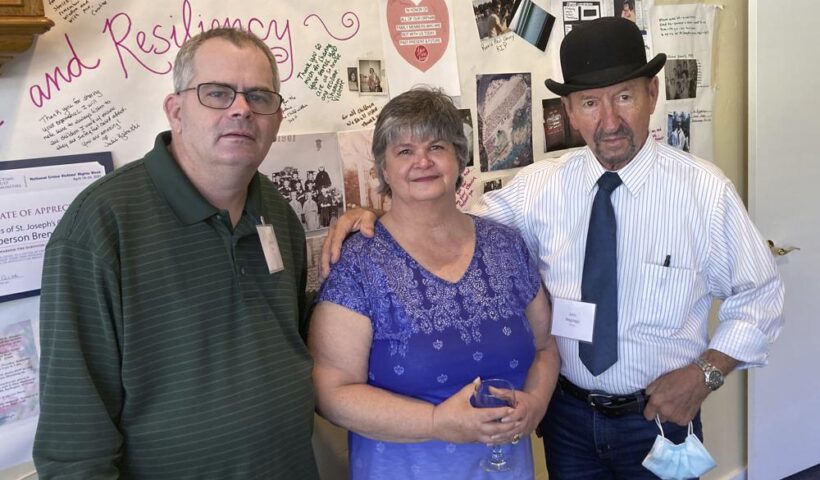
[667, 260]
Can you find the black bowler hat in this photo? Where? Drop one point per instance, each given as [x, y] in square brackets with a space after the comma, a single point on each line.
[601, 53]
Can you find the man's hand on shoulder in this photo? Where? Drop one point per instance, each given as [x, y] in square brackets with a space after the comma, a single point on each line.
[356, 220]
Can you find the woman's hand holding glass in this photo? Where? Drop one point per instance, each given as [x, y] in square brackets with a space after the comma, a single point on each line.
[492, 393]
[457, 420]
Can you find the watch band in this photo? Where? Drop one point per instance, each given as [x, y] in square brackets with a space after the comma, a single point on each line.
[703, 364]
[712, 376]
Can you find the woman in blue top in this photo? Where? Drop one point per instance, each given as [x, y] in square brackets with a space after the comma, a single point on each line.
[409, 320]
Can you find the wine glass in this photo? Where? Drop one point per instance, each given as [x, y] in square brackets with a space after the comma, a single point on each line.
[494, 393]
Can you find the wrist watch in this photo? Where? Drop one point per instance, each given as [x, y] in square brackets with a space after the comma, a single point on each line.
[712, 376]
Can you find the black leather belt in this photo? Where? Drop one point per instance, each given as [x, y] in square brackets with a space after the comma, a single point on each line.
[609, 405]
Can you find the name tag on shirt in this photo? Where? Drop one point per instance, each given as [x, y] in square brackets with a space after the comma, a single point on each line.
[572, 319]
[270, 247]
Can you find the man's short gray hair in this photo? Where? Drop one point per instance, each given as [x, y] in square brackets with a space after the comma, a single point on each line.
[184, 62]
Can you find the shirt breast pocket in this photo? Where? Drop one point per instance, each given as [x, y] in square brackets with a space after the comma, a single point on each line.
[666, 296]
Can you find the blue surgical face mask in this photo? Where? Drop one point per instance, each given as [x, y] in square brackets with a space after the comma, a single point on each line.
[678, 462]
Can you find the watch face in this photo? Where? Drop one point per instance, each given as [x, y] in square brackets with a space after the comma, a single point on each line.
[714, 379]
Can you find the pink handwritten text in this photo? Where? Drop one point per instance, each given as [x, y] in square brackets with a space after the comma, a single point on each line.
[465, 193]
[74, 69]
[349, 20]
[151, 47]
[140, 46]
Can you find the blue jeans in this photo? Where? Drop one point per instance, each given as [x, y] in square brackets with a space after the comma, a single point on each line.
[582, 444]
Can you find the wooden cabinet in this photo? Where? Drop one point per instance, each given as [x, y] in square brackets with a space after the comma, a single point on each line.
[20, 22]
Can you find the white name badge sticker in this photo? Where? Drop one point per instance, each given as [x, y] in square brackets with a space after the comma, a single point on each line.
[270, 247]
[572, 319]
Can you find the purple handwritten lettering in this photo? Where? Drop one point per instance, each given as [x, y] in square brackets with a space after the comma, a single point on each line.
[132, 43]
[186, 24]
[162, 39]
[74, 69]
[119, 43]
[282, 55]
[349, 20]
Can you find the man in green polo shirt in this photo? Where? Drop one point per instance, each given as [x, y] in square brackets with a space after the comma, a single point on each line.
[173, 296]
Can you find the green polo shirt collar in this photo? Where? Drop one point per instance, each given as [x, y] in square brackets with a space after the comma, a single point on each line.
[183, 198]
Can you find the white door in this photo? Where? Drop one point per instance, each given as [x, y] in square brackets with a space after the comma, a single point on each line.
[784, 200]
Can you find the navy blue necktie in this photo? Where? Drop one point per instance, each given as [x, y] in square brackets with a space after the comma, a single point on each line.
[600, 282]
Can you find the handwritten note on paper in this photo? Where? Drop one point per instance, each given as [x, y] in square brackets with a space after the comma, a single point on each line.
[18, 373]
[683, 25]
[701, 116]
[71, 10]
[89, 121]
[361, 116]
[499, 43]
[466, 196]
[290, 109]
[320, 73]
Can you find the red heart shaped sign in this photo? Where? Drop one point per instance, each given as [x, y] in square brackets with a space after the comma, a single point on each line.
[420, 30]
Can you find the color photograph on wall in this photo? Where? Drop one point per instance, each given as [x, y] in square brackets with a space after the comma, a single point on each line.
[558, 133]
[679, 128]
[504, 110]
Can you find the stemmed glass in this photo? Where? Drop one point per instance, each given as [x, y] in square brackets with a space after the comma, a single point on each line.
[493, 393]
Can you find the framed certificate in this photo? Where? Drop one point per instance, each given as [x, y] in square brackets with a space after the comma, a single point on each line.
[34, 195]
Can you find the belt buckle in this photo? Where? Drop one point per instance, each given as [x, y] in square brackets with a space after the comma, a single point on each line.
[599, 400]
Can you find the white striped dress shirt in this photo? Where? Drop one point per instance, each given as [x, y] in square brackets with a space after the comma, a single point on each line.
[670, 204]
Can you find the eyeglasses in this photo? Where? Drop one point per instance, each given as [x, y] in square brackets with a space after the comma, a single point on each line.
[221, 97]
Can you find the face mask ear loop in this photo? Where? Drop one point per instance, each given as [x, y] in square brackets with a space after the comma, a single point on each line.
[658, 423]
[691, 429]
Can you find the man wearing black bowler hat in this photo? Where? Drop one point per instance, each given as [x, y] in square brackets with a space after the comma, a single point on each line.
[650, 236]
[634, 240]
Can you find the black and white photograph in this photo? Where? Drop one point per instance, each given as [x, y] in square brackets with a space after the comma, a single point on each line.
[681, 79]
[491, 185]
[306, 170]
[314, 261]
[372, 79]
[677, 124]
[353, 79]
[467, 118]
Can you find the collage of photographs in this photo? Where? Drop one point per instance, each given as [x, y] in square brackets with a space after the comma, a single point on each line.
[338, 173]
